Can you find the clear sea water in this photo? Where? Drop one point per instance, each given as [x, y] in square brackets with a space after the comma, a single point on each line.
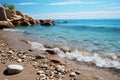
[94, 35]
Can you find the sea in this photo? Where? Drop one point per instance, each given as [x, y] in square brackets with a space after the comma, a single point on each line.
[98, 36]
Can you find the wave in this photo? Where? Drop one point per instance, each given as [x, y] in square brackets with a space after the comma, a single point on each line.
[110, 61]
[92, 27]
[13, 30]
[95, 58]
[36, 45]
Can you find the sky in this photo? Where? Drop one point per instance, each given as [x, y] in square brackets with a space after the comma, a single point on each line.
[68, 9]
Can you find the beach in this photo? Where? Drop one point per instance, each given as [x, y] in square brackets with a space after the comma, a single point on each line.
[48, 62]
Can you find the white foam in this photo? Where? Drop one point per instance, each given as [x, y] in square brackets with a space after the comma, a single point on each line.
[82, 57]
[36, 45]
[13, 30]
[95, 58]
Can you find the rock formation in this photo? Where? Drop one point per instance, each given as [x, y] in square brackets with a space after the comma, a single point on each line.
[6, 24]
[47, 22]
[10, 18]
[3, 16]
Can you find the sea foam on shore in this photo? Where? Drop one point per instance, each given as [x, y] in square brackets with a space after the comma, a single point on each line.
[83, 57]
[13, 30]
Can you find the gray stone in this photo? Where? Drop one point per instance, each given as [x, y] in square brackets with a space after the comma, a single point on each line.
[77, 72]
[73, 74]
[60, 68]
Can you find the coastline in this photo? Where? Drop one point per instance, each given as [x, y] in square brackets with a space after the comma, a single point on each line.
[88, 71]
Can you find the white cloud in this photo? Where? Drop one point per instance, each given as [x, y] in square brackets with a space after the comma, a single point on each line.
[27, 3]
[81, 15]
[72, 2]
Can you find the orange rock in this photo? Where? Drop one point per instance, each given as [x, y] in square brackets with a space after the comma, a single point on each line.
[6, 24]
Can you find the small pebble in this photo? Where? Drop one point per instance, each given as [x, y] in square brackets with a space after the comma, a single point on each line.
[77, 72]
[19, 60]
[40, 72]
[73, 74]
[42, 75]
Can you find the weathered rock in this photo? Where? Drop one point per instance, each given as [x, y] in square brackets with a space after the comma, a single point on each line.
[47, 22]
[6, 24]
[18, 19]
[37, 21]
[16, 22]
[14, 68]
[32, 22]
[28, 17]
[10, 13]
[25, 23]
[19, 13]
[3, 16]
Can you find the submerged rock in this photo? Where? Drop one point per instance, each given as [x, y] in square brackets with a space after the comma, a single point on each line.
[14, 68]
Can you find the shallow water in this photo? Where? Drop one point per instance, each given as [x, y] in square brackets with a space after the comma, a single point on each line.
[91, 36]
[101, 36]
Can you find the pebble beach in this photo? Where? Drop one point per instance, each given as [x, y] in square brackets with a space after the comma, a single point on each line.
[45, 64]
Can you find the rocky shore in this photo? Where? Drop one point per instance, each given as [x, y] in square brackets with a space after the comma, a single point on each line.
[12, 18]
[43, 64]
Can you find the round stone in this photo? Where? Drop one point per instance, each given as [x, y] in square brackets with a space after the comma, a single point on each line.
[14, 68]
[73, 74]
[19, 60]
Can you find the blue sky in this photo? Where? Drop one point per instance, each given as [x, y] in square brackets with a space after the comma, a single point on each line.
[68, 9]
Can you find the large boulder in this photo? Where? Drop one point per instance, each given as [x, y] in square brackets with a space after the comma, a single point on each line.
[3, 16]
[37, 21]
[6, 24]
[10, 13]
[25, 23]
[32, 22]
[14, 69]
[16, 22]
[47, 22]
[20, 14]
[28, 17]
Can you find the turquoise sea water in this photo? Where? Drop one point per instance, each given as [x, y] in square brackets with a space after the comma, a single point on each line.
[94, 35]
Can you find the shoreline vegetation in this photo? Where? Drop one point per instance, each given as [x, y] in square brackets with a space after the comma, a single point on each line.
[43, 63]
